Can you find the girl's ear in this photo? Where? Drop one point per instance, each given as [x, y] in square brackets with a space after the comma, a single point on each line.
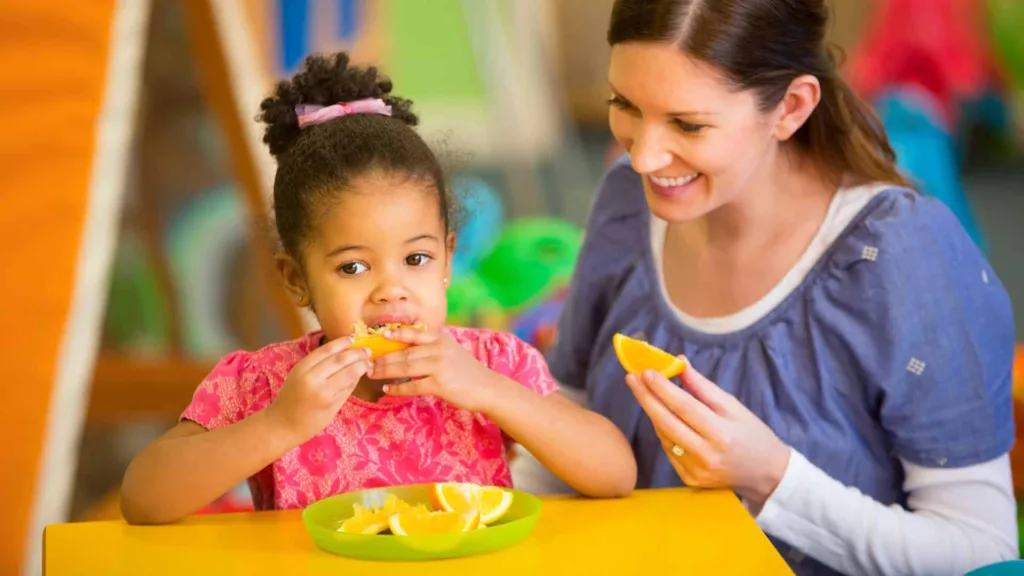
[450, 244]
[294, 279]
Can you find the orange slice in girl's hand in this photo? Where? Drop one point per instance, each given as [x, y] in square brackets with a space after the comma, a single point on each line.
[636, 356]
[373, 338]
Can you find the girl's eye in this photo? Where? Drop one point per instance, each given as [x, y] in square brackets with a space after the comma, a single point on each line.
[417, 259]
[688, 127]
[352, 268]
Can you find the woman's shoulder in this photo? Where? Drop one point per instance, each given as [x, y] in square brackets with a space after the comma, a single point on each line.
[914, 220]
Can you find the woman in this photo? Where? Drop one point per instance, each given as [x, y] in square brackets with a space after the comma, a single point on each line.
[850, 348]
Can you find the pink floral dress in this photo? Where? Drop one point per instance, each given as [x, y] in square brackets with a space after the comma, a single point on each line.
[407, 440]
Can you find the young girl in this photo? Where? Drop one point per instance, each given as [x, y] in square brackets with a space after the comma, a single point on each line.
[363, 215]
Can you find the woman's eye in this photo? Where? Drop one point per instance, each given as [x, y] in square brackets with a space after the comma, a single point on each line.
[619, 103]
[352, 268]
[688, 127]
[417, 259]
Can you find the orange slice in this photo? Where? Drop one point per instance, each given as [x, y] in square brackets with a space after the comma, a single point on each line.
[413, 523]
[375, 520]
[373, 339]
[364, 521]
[492, 502]
[636, 356]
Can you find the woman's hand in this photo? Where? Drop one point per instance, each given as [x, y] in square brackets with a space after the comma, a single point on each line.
[317, 387]
[440, 367]
[711, 439]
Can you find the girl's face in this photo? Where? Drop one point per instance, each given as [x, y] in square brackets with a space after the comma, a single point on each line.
[697, 142]
[380, 254]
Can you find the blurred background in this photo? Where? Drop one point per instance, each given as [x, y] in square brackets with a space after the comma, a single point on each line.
[512, 93]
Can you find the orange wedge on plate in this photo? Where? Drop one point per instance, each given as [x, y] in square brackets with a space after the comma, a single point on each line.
[492, 502]
[636, 356]
[365, 521]
[375, 520]
[414, 523]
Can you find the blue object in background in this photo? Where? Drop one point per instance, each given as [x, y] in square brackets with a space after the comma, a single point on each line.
[294, 21]
[1008, 568]
[483, 216]
[926, 152]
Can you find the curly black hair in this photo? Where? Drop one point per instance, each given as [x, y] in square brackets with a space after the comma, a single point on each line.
[318, 162]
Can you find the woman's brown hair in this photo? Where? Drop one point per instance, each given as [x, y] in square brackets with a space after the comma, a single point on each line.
[763, 45]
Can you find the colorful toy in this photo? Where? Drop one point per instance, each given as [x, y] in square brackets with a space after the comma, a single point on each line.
[934, 45]
[470, 304]
[532, 259]
[925, 150]
[201, 243]
[1006, 21]
[483, 218]
[539, 325]
[138, 318]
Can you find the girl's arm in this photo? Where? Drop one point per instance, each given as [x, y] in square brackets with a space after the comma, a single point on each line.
[581, 447]
[188, 467]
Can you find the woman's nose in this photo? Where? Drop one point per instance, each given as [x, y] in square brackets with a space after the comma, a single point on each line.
[648, 153]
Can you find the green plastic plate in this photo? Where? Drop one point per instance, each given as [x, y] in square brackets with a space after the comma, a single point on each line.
[323, 518]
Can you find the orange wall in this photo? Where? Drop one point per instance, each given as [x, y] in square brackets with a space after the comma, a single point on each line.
[55, 63]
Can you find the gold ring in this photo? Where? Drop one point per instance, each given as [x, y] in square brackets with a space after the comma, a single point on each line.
[678, 450]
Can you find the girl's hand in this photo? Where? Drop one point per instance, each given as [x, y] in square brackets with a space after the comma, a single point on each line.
[441, 367]
[710, 437]
[317, 386]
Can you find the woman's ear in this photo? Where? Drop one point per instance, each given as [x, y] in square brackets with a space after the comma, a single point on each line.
[294, 280]
[796, 106]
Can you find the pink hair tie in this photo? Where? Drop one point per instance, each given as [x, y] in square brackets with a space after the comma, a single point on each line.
[312, 114]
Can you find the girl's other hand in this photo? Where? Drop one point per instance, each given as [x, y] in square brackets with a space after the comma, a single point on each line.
[440, 367]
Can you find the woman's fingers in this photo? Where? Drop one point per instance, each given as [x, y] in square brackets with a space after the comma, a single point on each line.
[707, 391]
[664, 420]
[683, 404]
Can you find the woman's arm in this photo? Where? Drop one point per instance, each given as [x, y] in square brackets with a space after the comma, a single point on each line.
[959, 519]
[188, 467]
[581, 447]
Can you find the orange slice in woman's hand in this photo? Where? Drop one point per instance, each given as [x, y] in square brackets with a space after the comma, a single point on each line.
[636, 356]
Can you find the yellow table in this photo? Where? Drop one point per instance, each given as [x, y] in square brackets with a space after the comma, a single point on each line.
[671, 531]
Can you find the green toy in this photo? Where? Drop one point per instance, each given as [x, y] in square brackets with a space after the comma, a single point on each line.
[1006, 21]
[470, 304]
[138, 317]
[533, 258]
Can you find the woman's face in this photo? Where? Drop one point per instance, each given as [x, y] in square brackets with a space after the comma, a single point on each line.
[698, 143]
